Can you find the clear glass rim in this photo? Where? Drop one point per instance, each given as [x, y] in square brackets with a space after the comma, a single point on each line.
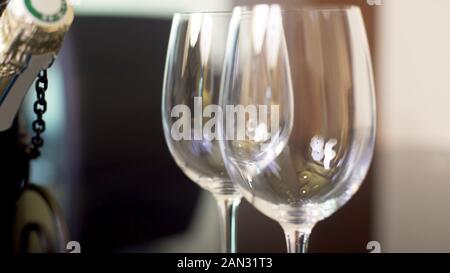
[322, 8]
[216, 13]
[284, 9]
[308, 8]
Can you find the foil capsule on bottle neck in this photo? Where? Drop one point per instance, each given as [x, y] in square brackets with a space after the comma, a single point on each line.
[31, 27]
[31, 34]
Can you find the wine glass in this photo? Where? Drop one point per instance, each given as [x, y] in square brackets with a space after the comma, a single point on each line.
[190, 93]
[299, 135]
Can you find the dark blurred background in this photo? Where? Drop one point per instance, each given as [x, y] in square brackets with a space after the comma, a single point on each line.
[125, 189]
[120, 186]
[107, 163]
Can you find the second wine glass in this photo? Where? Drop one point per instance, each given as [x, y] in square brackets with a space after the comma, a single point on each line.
[190, 97]
[300, 84]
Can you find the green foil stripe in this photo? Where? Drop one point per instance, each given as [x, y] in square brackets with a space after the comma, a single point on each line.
[45, 17]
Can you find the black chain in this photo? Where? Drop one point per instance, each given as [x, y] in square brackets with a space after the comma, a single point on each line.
[39, 107]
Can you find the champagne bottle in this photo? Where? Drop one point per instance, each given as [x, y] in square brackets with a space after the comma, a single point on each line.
[31, 34]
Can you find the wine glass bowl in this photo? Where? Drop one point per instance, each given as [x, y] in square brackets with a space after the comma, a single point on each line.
[193, 70]
[314, 65]
[190, 96]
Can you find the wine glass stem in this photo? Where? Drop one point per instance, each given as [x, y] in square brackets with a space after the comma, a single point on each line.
[227, 212]
[297, 239]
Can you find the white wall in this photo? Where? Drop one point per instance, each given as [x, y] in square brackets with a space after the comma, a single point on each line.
[413, 200]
